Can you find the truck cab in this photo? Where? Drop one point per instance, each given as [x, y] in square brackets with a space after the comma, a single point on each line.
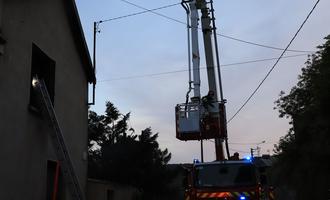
[230, 180]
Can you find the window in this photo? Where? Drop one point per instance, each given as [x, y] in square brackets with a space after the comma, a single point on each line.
[226, 175]
[43, 67]
[2, 44]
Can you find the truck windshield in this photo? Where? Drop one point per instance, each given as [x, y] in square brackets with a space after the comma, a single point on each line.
[225, 175]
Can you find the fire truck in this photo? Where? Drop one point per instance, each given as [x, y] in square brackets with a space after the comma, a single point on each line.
[204, 117]
[230, 180]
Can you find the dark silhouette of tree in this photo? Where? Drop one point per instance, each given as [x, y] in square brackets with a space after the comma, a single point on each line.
[304, 152]
[117, 154]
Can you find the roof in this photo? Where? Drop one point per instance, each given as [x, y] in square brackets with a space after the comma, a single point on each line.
[263, 162]
[224, 162]
[80, 41]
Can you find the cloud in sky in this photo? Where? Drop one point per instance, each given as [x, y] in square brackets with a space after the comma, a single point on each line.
[148, 43]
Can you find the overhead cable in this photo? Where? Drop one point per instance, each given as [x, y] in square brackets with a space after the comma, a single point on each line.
[240, 151]
[252, 143]
[222, 35]
[275, 64]
[184, 70]
[262, 45]
[235, 150]
[156, 13]
[138, 13]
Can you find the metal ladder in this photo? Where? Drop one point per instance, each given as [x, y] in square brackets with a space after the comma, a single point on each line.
[57, 139]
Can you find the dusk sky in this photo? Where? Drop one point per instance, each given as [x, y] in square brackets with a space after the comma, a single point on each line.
[149, 44]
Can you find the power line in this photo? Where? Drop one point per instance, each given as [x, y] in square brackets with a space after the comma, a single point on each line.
[261, 60]
[240, 151]
[235, 150]
[184, 70]
[143, 75]
[138, 13]
[237, 143]
[222, 35]
[248, 143]
[275, 64]
[156, 13]
[262, 45]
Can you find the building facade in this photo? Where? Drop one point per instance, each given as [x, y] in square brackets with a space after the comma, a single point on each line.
[105, 190]
[43, 38]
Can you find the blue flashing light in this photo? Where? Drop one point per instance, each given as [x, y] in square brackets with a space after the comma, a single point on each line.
[249, 158]
[242, 198]
[196, 161]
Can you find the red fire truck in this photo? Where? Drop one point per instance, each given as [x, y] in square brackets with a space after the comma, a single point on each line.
[200, 118]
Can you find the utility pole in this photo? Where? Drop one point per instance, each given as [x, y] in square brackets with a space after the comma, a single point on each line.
[95, 31]
[257, 149]
[252, 150]
[202, 151]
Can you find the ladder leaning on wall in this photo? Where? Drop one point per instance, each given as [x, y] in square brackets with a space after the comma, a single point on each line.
[57, 138]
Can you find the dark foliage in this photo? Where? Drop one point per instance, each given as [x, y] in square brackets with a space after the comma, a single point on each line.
[117, 154]
[304, 152]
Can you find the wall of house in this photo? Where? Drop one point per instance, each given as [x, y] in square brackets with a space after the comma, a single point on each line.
[1, 2]
[103, 190]
[1, 12]
[25, 146]
[1, 39]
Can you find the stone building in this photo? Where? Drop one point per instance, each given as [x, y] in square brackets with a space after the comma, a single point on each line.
[44, 38]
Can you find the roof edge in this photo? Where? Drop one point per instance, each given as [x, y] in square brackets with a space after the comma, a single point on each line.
[80, 40]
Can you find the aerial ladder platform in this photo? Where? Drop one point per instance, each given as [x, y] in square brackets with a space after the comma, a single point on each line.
[57, 138]
[202, 118]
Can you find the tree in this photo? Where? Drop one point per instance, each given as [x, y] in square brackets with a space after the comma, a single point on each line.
[117, 154]
[108, 128]
[303, 152]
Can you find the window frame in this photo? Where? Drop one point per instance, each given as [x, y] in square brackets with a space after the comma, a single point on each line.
[45, 68]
